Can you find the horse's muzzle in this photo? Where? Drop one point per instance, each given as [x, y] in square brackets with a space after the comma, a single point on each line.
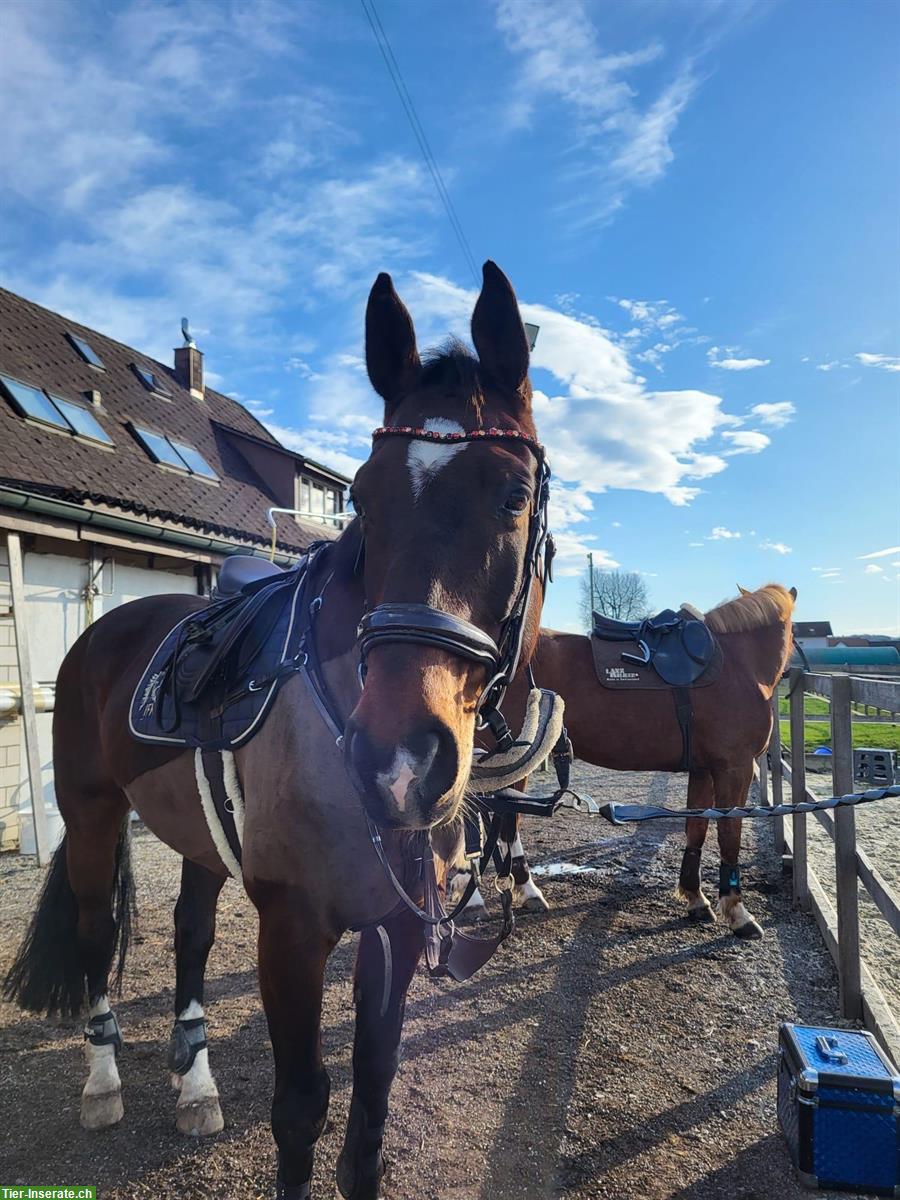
[410, 783]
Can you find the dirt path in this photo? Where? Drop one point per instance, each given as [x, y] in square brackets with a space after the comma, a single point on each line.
[610, 1050]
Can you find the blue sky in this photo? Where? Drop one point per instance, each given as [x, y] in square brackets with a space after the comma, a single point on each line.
[696, 201]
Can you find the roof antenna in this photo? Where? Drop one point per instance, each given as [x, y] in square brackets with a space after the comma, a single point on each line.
[186, 334]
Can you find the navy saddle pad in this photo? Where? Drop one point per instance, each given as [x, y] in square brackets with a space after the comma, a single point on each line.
[675, 645]
[212, 679]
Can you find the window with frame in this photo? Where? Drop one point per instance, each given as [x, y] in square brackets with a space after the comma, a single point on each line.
[151, 381]
[85, 351]
[35, 404]
[171, 453]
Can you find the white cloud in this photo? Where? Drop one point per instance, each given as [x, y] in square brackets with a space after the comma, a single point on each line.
[885, 362]
[882, 553]
[147, 235]
[830, 575]
[625, 144]
[745, 441]
[778, 414]
[730, 363]
[720, 533]
[778, 547]
[605, 429]
[695, 543]
[873, 569]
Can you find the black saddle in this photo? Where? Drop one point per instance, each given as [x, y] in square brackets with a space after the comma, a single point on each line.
[212, 679]
[677, 646]
[239, 570]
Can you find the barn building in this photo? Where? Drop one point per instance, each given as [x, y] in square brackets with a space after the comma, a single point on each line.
[812, 633]
[120, 477]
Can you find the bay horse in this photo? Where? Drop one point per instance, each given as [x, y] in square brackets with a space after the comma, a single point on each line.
[637, 730]
[445, 510]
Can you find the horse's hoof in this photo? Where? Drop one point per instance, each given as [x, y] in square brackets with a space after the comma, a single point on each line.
[750, 931]
[102, 1110]
[701, 916]
[361, 1181]
[202, 1118]
[535, 904]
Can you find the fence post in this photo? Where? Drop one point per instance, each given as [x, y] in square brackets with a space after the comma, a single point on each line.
[846, 887]
[777, 777]
[798, 785]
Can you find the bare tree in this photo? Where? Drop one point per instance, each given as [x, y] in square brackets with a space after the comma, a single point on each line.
[621, 595]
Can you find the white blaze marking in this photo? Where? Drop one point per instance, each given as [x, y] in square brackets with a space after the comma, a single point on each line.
[425, 459]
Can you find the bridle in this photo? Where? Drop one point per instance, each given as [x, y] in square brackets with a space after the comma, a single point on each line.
[424, 625]
[447, 950]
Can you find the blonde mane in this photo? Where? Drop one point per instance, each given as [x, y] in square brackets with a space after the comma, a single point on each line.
[769, 605]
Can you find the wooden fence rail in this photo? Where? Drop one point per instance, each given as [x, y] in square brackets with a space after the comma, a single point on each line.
[861, 998]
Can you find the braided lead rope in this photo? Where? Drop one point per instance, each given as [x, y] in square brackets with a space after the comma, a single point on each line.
[620, 814]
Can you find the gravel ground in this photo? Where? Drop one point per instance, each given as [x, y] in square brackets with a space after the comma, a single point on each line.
[878, 834]
[608, 1050]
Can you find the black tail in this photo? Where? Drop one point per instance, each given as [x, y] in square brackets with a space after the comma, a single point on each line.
[47, 974]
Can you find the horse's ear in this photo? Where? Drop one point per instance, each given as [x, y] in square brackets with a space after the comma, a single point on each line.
[793, 594]
[498, 333]
[744, 591]
[392, 359]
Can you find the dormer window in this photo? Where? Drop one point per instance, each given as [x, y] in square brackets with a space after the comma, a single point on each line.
[317, 502]
[151, 381]
[85, 351]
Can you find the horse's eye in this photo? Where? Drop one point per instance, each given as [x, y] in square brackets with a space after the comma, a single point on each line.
[518, 500]
[357, 507]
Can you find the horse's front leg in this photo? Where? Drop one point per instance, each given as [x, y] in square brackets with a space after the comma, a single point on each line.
[197, 1112]
[383, 974]
[292, 957]
[526, 893]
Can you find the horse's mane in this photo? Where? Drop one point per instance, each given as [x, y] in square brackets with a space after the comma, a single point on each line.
[769, 605]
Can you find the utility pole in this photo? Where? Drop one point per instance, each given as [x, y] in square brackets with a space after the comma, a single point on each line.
[590, 559]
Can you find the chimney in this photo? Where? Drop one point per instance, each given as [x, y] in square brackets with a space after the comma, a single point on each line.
[189, 363]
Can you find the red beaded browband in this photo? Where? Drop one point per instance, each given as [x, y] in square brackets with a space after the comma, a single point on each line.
[475, 435]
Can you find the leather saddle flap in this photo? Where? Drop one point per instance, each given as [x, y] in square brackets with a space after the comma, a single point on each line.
[195, 689]
[683, 655]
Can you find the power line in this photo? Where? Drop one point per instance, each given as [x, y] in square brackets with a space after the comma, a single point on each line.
[409, 108]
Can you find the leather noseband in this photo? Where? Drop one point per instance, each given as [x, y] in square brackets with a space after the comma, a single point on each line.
[424, 625]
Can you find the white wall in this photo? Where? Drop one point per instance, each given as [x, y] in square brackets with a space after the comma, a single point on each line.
[56, 615]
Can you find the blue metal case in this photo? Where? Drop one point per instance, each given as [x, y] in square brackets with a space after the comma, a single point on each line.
[839, 1108]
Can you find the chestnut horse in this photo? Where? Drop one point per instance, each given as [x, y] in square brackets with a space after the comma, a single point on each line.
[441, 525]
[638, 731]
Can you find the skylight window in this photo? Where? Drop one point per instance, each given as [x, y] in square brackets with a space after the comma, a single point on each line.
[85, 351]
[197, 464]
[31, 402]
[160, 449]
[83, 422]
[150, 380]
[170, 453]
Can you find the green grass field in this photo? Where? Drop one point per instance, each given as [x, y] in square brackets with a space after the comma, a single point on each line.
[815, 706]
[818, 733]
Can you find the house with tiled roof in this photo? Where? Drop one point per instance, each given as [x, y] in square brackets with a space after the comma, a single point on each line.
[120, 477]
